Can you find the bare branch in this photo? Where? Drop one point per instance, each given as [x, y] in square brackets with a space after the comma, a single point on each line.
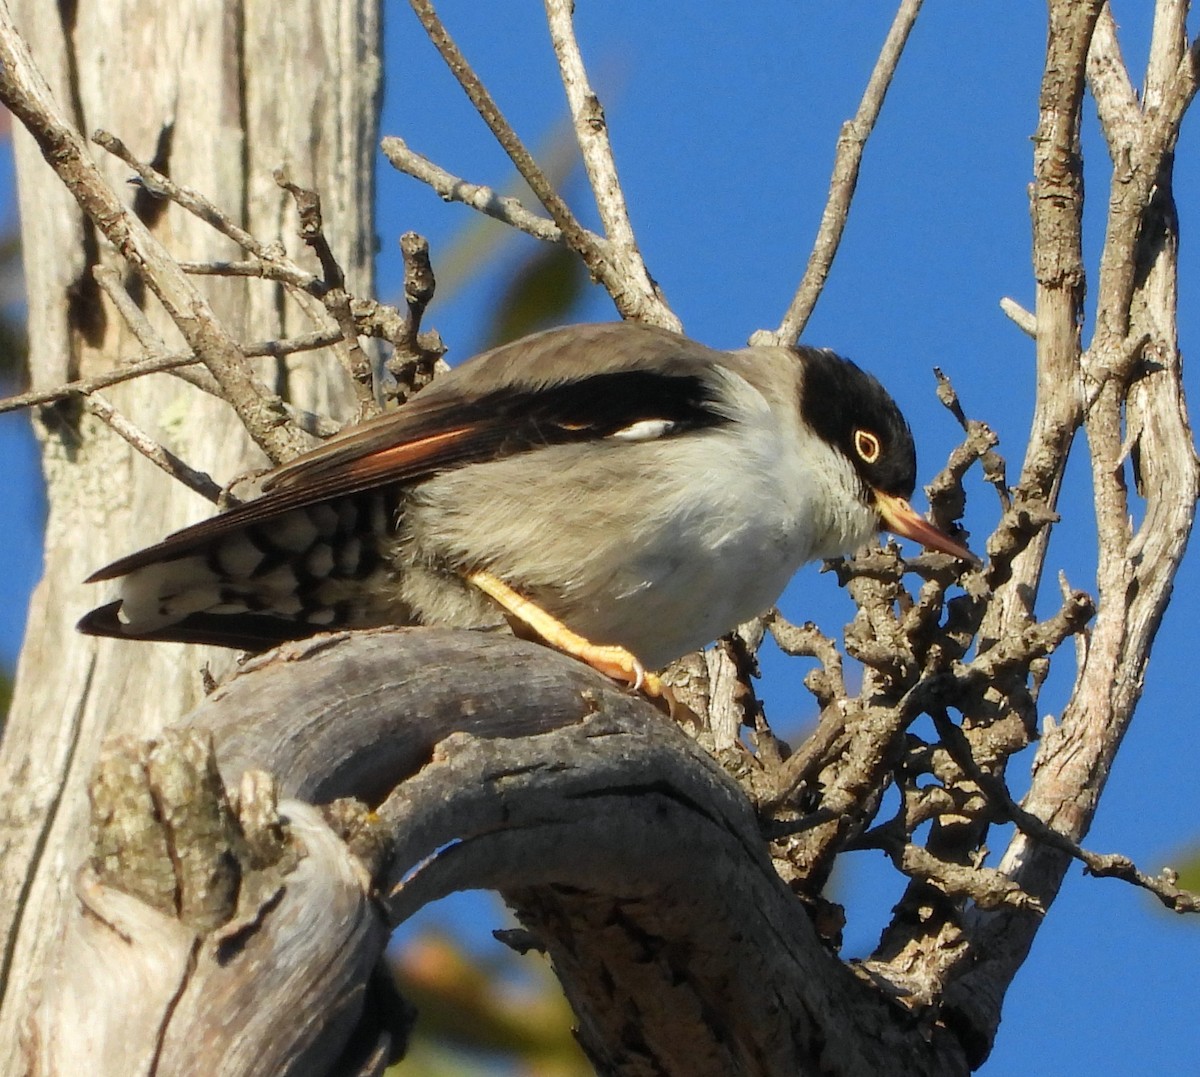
[316, 295]
[152, 450]
[484, 199]
[162, 186]
[252, 268]
[591, 131]
[1165, 886]
[333, 294]
[110, 280]
[846, 163]
[635, 299]
[807, 640]
[157, 364]
[147, 336]
[204, 209]
[416, 356]
[1136, 303]
[1116, 99]
[313, 294]
[1169, 68]
[419, 282]
[1017, 649]
[986, 887]
[490, 112]
[1057, 206]
[1021, 318]
[25, 92]
[804, 764]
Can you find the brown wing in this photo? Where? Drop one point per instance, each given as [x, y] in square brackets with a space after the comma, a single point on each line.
[472, 415]
[417, 454]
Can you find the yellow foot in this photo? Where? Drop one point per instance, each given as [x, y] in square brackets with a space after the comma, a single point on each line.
[614, 662]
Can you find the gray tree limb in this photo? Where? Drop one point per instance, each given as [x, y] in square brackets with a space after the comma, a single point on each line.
[628, 853]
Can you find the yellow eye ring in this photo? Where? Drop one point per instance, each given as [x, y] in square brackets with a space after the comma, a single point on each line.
[867, 446]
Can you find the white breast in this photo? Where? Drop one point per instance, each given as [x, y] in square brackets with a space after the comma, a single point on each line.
[660, 544]
[742, 508]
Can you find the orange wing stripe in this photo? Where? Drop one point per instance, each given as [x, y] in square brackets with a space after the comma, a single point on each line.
[404, 455]
[353, 456]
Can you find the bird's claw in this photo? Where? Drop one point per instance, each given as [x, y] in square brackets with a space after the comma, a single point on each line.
[613, 661]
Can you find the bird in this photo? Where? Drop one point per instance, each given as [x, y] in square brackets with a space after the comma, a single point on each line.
[616, 489]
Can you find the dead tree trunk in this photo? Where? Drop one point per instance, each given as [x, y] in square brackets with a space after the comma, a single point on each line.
[217, 96]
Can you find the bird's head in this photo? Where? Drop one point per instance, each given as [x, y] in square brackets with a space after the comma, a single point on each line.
[848, 409]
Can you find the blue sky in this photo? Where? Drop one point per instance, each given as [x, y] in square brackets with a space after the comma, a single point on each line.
[724, 127]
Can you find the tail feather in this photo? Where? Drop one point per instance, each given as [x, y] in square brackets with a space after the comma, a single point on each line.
[308, 570]
[244, 631]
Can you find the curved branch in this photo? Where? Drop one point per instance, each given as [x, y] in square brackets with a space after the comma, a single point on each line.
[519, 769]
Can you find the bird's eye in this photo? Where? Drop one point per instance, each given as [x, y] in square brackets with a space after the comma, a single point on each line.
[866, 445]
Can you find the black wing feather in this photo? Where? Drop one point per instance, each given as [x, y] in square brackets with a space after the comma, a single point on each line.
[448, 431]
[252, 632]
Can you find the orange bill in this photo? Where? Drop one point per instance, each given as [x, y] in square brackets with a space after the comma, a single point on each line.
[900, 517]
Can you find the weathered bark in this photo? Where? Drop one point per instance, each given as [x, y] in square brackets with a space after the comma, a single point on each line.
[217, 95]
[629, 854]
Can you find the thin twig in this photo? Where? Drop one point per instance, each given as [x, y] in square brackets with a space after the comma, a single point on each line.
[630, 295]
[307, 289]
[1023, 319]
[199, 481]
[312, 229]
[804, 763]
[311, 423]
[334, 295]
[591, 132]
[273, 263]
[452, 188]
[947, 497]
[147, 336]
[162, 186]
[986, 887]
[157, 364]
[419, 281]
[320, 297]
[846, 163]
[485, 105]
[807, 640]
[272, 271]
[1018, 648]
[1164, 887]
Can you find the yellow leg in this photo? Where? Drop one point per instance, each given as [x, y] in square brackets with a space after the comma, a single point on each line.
[614, 662]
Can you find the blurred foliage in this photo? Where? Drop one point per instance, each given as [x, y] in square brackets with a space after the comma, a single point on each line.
[501, 1015]
[542, 292]
[14, 346]
[1188, 866]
